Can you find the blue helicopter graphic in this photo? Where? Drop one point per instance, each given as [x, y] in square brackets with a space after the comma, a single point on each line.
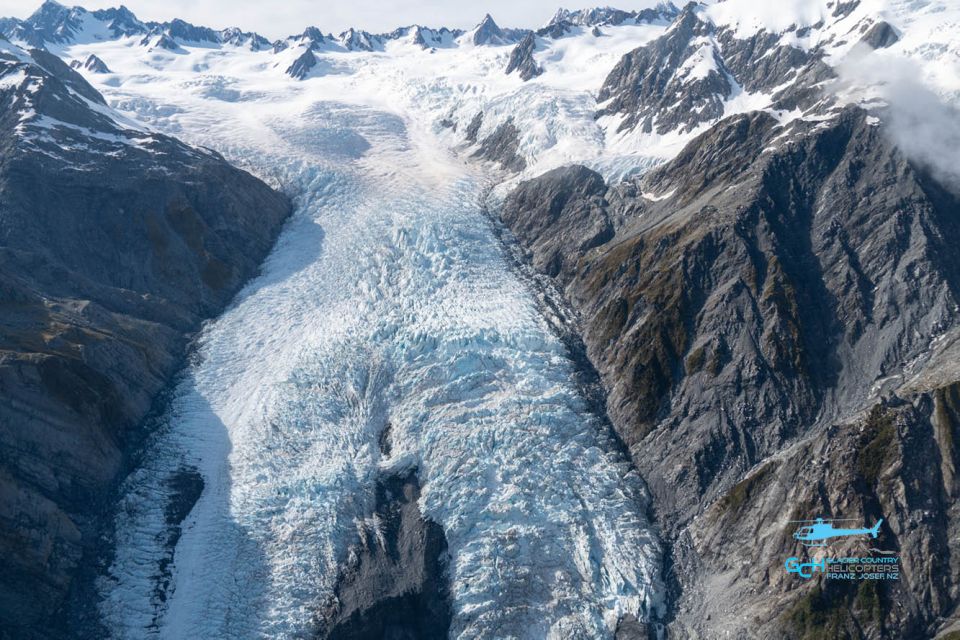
[817, 534]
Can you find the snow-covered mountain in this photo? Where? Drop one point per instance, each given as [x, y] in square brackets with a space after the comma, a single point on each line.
[710, 74]
[421, 403]
[710, 52]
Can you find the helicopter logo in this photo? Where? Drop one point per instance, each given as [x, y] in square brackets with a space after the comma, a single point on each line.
[817, 534]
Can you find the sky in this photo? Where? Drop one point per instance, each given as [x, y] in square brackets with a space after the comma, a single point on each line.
[277, 19]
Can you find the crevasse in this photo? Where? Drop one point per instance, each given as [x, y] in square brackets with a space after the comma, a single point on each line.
[386, 300]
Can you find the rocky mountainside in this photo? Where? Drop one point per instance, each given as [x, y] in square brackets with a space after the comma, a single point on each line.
[686, 77]
[115, 243]
[521, 58]
[773, 313]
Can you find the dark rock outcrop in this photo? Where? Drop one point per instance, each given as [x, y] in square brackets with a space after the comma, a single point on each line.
[92, 64]
[761, 310]
[161, 40]
[395, 586]
[425, 37]
[311, 38]
[880, 36]
[183, 31]
[114, 245]
[571, 215]
[238, 38]
[473, 129]
[502, 146]
[521, 59]
[301, 67]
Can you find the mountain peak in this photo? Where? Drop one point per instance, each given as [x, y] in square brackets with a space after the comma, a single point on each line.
[51, 22]
[92, 64]
[49, 9]
[558, 17]
[50, 4]
[356, 40]
[489, 32]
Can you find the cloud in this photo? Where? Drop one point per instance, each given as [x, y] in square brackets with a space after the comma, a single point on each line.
[921, 123]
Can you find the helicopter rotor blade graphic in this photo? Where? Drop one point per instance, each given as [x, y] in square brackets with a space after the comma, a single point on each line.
[825, 520]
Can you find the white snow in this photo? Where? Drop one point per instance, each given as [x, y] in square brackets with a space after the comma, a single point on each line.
[452, 82]
[12, 80]
[700, 64]
[747, 17]
[653, 197]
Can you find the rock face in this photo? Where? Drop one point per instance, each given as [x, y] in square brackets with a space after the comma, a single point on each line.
[502, 146]
[394, 586]
[311, 38]
[684, 78]
[301, 67]
[92, 64]
[354, 40]
[425, 37]
[114, 244]
[163, 41]
[473, 129]
[521, 59]
[768, 312]
[880, 36]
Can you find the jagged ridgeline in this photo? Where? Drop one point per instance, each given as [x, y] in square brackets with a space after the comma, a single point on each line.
[567, 327]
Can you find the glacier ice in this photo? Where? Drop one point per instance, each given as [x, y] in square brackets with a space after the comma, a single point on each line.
[386, 300]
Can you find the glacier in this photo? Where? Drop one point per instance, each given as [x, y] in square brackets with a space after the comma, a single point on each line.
[387, 301]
